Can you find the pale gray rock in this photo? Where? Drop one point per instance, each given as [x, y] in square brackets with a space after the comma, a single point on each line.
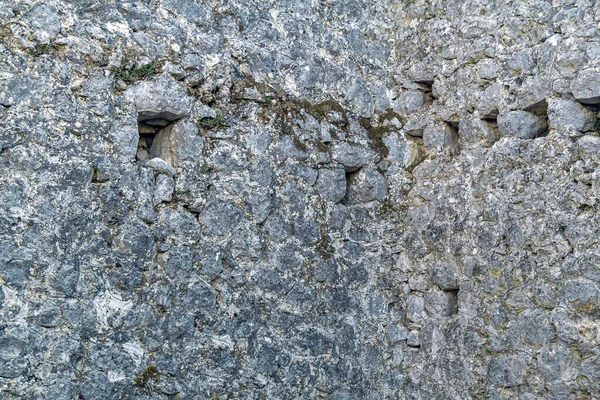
[445, 276]
[164, 188]
[441, 137]
[586, 87]
[331, 184]
[160, 166]
[409, 102]
[521, 124]
[367, 184]
[569, 116]
[352, 157]
[220, 218]
[177, 143]
[588, 147]
[505, 371]
[490, 101]
[162, 97]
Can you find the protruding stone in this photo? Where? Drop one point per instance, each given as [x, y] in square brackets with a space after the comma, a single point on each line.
[441, 137]
[589, 147]
[331, 184]
[165, 185]
[445, 276]
[521, 124]
[586, 88]
[474, 131]
[367, 185]
[415, 125]
[505, 371]
[409, 102]
[161, 98]
[569, 115]
[177, 143]
[490, 101]
[160, 166]
[351, 157]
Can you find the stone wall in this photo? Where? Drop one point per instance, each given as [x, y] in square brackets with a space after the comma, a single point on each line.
[332, 199]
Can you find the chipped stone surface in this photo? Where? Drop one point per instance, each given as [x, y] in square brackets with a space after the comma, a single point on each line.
[299, 200]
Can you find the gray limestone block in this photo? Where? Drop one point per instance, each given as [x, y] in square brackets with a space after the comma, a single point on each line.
[586, 87]
[488, 69]
[409, 102]
[505, 371]
[261, 205]
[396, 334]
[177, 143]
[533, 94]
[163, 98]
[331, 184]
[165, 185]
[277, 228]
[521, 124]
[160, 166]
[440, 137]
[569, 115]
[220, 218]
[588, 147]
[415, 309]
[44, 16]
[352, 157]
[474, 132]
[360, 98]
[123, 133]
[440, 303]
[378, 306]
[445, 276]
[367, 184]
[490, 101]
[413, 339]
[415, 125]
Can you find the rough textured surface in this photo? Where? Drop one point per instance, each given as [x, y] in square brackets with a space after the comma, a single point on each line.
[315, 200]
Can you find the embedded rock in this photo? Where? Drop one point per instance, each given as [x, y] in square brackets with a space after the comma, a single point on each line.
[177, 143]
[331, 184]
[586, 87]
[299, 200]
[568, 115]
[521, 124]
[367, 185]
[161, 98]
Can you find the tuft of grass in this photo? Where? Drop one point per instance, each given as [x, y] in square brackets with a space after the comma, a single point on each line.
[40, 49]
[210, 123]
[204, 168]
[130, 75]
[267, 103]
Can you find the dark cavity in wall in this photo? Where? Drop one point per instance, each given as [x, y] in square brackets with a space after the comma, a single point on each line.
[148, 129]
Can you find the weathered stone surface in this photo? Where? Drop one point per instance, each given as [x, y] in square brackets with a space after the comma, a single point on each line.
[266, 200]
[162, 97]
[567, 115]
[331, 184]
[505, 371]
[586, 87]
[367, 185]
[177, 143]
[409, 102]
[161, 166]
[442, 137]
[521, 124]
[352, 157]
[490, 101]
[445, 276]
